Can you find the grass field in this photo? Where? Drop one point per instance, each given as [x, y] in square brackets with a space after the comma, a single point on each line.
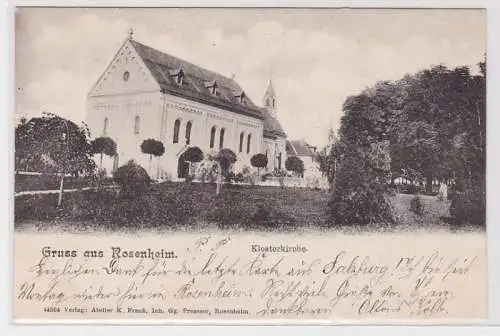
[194, 206]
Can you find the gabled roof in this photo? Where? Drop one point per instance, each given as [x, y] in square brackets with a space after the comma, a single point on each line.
[272, 127]
[299, 148]
[164, 67]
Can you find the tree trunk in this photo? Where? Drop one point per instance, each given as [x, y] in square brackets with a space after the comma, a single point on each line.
[428, 183]
[158, 169]
[219, 178]
[150, 159]
[61, 187]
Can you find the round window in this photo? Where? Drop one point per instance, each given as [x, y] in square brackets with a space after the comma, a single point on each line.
[126, 75]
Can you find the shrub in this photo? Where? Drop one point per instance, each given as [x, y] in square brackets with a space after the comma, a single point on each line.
[103, 145]
[247, 176]
[280, 175]
[152, 148]
[207, 172]
[239, 178]
[193, 154]
[295, 164]
[360, 195]
[226, 158]
[259, 161]
[230, 177]
[132, 179]
[417, 206]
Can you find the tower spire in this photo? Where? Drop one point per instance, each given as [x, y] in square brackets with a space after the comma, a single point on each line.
[270, 102]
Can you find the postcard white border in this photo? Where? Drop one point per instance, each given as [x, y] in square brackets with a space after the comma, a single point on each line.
[493, 165]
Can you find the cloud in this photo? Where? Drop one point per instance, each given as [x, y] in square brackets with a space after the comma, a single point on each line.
[316, 61]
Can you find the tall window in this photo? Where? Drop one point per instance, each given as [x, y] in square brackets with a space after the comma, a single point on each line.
[105, 127]
[249, 140]
[212, 137]
[177, 126]
[188, 132]
[221, 138]
[279, 161]
[242, 136]
[137, 124]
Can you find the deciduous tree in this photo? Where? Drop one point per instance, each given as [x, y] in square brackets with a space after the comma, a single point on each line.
[51, 144]
[103, 146]
[295, 164]
[259, 161]
[152, 148]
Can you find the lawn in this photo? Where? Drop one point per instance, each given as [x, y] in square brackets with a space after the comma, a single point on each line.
[31, 182]
[195, 206]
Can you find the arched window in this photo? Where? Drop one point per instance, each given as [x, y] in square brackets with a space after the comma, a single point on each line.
[137, 124]
[177, 126]
[221, 138]
[212, 137]
[242, 137]
[188, 132]
[249, 139]
[105, 127]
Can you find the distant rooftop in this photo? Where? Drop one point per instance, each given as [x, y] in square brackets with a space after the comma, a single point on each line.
[299, 148]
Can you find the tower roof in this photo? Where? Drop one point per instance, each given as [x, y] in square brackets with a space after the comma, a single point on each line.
[272, 126]
[270, 89]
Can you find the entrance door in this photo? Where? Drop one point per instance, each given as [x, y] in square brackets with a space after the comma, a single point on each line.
[182, 167]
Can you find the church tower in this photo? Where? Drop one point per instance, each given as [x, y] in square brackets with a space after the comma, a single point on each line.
[270, 102]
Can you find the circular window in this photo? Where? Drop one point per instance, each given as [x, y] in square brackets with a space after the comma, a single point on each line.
[126, 75]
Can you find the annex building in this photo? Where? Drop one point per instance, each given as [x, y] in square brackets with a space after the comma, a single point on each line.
[145, 93]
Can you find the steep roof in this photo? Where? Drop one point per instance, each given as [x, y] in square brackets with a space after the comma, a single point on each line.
[299, 148]
[196, 83]
[272, 126]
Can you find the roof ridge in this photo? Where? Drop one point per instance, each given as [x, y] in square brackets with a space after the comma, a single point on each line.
[180, 60]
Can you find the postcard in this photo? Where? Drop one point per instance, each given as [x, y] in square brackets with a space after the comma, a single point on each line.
[250, 165]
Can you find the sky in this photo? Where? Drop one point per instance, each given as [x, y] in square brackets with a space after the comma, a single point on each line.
[315, 57]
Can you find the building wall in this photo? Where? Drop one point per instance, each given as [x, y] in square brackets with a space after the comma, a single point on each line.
[273, 147]
[311, 168]
[203, 117]
[121, 112]
[157, 116]
[121, 100]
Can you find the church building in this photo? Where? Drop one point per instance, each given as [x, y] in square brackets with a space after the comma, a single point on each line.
[145, 93]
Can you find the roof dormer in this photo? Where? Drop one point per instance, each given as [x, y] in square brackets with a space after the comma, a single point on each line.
[240, 97]
[212, 87]
[177, 75]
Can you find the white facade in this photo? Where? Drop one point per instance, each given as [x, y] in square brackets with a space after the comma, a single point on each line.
[128, 105]
[275, 149]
